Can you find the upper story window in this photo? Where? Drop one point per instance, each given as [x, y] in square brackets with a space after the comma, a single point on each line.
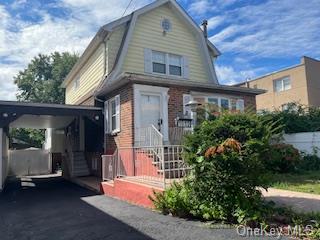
[175, 65]
[166, 63]
[159, 62]
[284, 107]
[282, 84]
[76, 83]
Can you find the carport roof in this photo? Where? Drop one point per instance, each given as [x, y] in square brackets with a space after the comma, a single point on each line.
[10, 111]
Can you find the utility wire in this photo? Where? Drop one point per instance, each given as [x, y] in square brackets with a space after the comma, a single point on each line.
[127, 8]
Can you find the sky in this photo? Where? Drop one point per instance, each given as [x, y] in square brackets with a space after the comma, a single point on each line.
[255, 37]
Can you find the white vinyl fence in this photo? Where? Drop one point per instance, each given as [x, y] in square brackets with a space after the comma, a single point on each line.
[29, 162]
[305, 142]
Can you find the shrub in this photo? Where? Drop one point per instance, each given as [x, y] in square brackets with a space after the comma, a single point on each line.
[297, 118]
[283, 158]
[176, 200]
[310, 162]
[226, 156]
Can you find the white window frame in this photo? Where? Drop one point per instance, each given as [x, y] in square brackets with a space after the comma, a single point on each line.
[109, 116]
[167, 64]
[239, 101]
[282, 80]
[76, 83]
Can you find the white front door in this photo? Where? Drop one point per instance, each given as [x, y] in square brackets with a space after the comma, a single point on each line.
[150, 111]
[151, 108]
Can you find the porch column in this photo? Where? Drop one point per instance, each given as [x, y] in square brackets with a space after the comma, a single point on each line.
[81, 134]
[1, 159]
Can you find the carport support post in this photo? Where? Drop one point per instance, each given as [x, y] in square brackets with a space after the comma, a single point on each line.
[1, 156]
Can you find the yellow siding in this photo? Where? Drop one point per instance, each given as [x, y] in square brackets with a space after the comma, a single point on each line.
[90, 76]
[181, 40]
[113, 45]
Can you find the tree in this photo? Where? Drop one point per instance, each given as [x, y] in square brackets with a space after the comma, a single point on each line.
[34, 137]
[40, 81]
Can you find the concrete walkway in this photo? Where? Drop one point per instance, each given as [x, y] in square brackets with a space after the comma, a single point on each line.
[301, 202]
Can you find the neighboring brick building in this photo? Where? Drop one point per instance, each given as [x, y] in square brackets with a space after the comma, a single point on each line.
[300, 84]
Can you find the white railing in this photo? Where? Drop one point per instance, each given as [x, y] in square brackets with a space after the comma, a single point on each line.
[151, 165]
[109, 166]
[148, 136]
[177, 134]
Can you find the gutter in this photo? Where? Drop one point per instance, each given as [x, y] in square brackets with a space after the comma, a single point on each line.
[153, 80]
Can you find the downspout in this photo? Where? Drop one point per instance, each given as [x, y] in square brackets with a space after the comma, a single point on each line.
[103, 100]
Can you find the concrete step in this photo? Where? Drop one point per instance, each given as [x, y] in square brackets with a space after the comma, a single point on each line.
[80, 165]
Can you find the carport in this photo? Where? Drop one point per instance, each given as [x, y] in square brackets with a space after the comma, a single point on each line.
[75, 122]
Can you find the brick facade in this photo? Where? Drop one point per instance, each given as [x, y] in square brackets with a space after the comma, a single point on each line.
[125, 138]
[175, 103]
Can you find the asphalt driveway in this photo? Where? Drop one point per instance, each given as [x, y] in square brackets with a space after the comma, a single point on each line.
[52, 208]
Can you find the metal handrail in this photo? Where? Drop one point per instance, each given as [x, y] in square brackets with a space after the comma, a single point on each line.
[110, 161]
[149, 136]
[160, 136]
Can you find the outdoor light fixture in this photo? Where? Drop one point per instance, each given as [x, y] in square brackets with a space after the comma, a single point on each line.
[193, 105]
[96, 118]
[5, 115]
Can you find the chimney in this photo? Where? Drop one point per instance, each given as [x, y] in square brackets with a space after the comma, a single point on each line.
[205, 28]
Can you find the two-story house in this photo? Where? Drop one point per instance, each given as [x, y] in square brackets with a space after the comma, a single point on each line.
[295, 84]
[147, 69]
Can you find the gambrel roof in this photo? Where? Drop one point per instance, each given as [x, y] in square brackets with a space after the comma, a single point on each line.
[208, 50]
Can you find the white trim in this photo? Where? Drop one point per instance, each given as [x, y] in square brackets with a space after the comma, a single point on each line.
[124, 48]
[163, 93]
[108, 116]
[167, 64]
[219, 97]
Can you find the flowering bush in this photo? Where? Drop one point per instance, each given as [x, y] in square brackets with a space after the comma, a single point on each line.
[226, 156]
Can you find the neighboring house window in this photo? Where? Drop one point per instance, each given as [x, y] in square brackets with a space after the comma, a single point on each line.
[224, 104]
[112, 115]
[282, 84]
[159, 62]
[284, 107]
[76, 83]
[175, 65]
[166, 63]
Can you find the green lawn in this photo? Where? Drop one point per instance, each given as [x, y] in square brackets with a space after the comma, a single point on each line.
[308, 182]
